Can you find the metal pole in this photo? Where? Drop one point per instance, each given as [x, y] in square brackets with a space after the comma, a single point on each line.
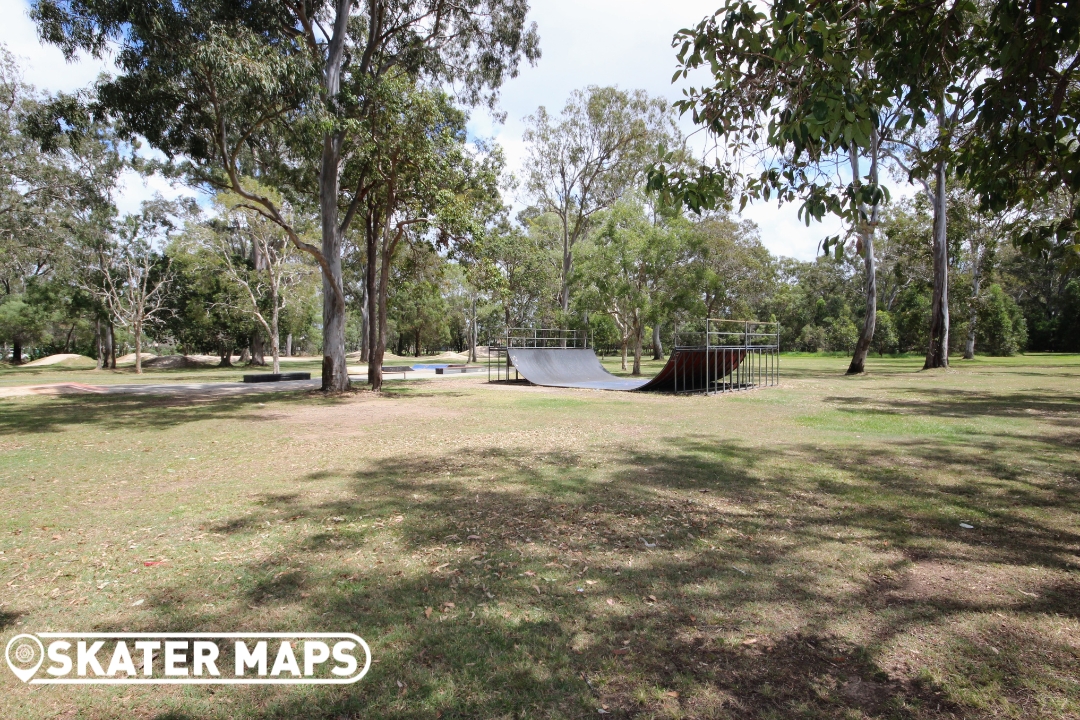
[708, 340]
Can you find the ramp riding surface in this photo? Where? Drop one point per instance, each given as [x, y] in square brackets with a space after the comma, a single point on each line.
[580, 368]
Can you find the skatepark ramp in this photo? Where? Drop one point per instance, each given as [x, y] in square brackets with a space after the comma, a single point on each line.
[725, 356]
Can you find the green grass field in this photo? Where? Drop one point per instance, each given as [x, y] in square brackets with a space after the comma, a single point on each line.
[519, 552]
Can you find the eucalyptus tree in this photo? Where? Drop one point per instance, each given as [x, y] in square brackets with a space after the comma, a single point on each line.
[428, 185]
[263, 264]
[1023, 145]
[796, 105]
[513, 267]
[628, 270]
[52, 198]
[133, 275]
[733, 272]
[581, 162]
[803, 94]
[282, 90]
[935, 86]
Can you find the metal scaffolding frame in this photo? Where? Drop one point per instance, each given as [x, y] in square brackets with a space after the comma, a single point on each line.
[727, 356]
[750, 348]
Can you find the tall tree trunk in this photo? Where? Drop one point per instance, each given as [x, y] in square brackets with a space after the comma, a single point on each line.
[371, 232]
[973, 316]
[379, 349]
[564, 292]
[225, 353]
[274, 333]
[335, 376]
[138, 348]
[937, 355]
[567, 264]
[866, 231]
[625, 342]
[365, 321]
[16, 351]
[258, 349]
[639, 338]
[657, 345]
[110, 345]
[288, 345]
[472, 332]
[98, 346]
[417, 335]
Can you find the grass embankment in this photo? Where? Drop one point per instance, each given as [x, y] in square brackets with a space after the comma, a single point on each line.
[791, 552]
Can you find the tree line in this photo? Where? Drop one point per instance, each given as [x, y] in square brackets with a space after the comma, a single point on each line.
[350, 211]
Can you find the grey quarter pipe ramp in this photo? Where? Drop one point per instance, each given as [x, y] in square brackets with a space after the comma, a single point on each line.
[687, 369]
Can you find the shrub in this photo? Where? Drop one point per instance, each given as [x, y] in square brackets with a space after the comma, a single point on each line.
[812, 338]
[1001, 329]
[885, 340]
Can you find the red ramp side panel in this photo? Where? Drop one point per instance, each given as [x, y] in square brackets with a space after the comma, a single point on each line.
[695, 370]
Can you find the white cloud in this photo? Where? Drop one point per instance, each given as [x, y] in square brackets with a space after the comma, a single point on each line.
[43, 65]
[785, 234]
[133, 189]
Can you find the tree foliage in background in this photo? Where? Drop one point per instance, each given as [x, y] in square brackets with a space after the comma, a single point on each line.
[583, 161]
[286, 92]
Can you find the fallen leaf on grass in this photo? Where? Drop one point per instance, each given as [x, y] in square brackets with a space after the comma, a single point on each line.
[611, 601]
[672, 693]
[473, 537]
[152, 563]
[427, 612]
[652, 598]
[622, 651]
[138, 602]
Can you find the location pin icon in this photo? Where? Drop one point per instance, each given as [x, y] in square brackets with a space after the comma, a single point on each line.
[24, 655]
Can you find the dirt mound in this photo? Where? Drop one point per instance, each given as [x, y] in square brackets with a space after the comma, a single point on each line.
[130, 357]
[178, 362]
[65, 359]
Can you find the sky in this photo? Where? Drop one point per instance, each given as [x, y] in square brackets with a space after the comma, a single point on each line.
[584, 42]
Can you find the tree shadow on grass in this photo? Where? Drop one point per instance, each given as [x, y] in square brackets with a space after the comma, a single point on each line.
[122, 412]
[7, 618]
[693, 579]
[952, 403]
